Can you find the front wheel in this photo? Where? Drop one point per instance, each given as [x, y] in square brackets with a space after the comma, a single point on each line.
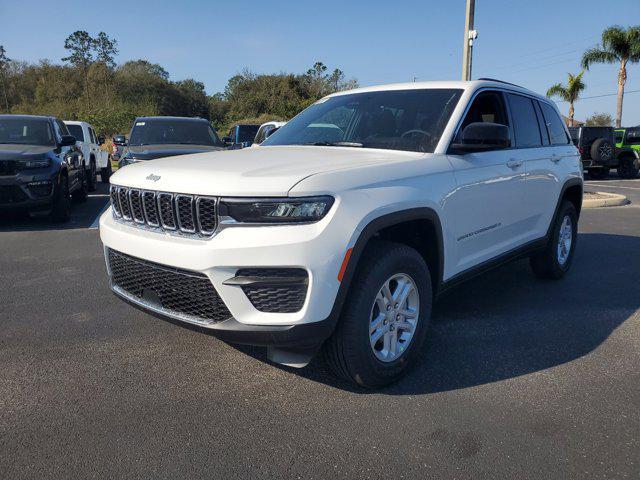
[105, 173]
[62, 203]
[555, 260]
[385, 317]
[92, 176]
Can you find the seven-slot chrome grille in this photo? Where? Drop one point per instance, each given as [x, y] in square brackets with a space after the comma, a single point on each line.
[171, 212]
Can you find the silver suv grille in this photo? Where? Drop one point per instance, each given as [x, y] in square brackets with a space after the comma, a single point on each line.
[186, 214]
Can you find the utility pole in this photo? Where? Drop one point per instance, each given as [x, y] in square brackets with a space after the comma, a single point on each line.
[470, 34]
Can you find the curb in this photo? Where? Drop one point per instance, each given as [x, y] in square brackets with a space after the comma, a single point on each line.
[611, 200]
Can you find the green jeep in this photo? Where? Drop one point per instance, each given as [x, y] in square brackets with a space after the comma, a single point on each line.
[628, 145]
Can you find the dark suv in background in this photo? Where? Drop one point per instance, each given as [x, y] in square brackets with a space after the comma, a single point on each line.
[158, 137]
[599, 154]
[41, 167]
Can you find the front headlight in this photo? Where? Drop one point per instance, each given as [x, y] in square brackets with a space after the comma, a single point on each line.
[275, 210]
[36, 163]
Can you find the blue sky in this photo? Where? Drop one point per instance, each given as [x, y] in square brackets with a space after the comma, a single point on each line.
[532, 43]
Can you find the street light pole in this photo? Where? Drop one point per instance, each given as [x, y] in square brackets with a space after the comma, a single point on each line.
[469, 36]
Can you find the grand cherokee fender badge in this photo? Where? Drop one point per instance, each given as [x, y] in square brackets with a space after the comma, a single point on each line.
[153, 178]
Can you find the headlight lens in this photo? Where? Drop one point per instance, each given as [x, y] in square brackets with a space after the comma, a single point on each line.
[275, 210]
[35, 163]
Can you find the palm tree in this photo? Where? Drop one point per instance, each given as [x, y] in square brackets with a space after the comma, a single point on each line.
[569, 93]
[619, 45]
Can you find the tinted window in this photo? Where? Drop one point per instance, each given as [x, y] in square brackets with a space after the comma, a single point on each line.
[76, 131]
[525, 122]
[555, 126]
[27, 131]
[172, 132]
[633, 137]
[541, 125]
[246, 133]
[411, 120]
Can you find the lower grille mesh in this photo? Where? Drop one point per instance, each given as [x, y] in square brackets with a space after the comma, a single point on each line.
[275, 298]
[180, 291]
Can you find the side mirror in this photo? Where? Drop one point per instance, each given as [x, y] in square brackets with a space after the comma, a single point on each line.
[100, 140]
[483, 136]
[67, 140]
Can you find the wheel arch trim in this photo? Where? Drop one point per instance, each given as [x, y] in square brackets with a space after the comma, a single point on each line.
[369, 231]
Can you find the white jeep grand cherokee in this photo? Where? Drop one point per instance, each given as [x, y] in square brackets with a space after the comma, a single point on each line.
[339, 230]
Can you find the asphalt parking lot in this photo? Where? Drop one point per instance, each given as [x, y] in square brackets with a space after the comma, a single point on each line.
[520, 378]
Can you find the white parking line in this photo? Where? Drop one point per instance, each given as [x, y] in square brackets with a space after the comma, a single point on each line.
[96, 222]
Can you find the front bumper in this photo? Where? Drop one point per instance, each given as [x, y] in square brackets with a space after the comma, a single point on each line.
[30, 190]
[314, 248]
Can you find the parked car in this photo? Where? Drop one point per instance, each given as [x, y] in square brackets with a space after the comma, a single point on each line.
[241, 136]
[156, 137]
[339, 235]
[119, 144]
[96, 158]
[265, 130]
[628, 144]
[599, 154]
[41, 168]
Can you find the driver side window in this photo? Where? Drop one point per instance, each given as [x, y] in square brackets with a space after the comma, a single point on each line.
[486, 107]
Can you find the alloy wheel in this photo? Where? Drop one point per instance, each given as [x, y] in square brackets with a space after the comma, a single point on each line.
[394, 317]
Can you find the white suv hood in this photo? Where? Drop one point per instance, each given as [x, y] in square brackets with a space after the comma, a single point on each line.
[260, 171]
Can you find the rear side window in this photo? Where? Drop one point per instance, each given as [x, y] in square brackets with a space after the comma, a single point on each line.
[557, 133]
[525, 122]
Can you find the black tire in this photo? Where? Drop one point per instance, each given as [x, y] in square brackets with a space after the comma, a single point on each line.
[105, 173]
[599, 173]
[627, 167]
[348, 351]
[92, 176]
[602, 151]
[61, 211]
[80, 195]
[546, 264]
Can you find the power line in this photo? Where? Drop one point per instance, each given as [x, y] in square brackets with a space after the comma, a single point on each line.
[600, 96]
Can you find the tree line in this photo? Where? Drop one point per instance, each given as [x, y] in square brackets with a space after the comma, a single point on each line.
[89, 85]
[619, 46]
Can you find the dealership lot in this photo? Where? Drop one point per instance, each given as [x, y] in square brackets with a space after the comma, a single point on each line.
[519, 378]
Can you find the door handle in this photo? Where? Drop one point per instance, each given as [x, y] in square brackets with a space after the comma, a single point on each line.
[513, 163]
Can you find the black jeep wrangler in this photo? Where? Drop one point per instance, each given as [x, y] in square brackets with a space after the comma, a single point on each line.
[599, 153]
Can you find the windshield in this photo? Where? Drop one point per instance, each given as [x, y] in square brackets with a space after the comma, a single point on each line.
[410, 120]
[26, 131]
[76, 131]
[168, 132]
[246, 133]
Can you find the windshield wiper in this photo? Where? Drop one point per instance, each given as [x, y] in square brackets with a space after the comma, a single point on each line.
[337, 144]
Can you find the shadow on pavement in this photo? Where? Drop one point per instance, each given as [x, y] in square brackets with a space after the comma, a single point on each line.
[508, 323]
[82, 215]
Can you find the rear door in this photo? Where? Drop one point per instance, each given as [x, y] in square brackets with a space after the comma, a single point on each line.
[532, 148]
[545, 177]
[488, 206]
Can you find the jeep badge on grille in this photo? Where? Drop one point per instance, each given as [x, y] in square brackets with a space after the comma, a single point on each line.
[153, 177]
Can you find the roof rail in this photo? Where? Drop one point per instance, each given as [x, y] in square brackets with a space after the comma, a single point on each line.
[499, 81]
